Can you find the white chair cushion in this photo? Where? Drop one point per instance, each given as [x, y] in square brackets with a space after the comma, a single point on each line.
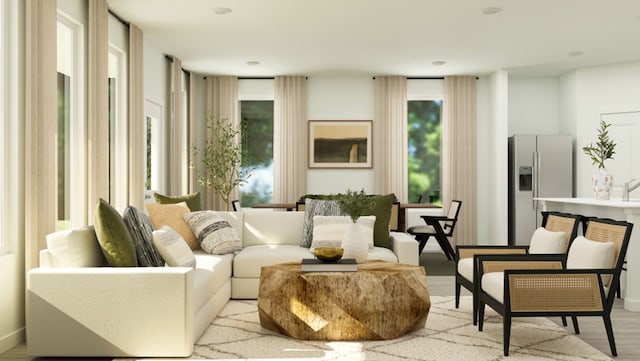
[328, 231]
[493, 285]
[421, 229]
[465, 268]
[585, 253]
[546, 241]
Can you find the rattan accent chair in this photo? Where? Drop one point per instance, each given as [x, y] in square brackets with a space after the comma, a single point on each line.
[438, 227]
[467, 263]
[555, 285]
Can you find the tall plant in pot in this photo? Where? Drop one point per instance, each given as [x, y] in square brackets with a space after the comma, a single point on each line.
[218, 162]
[355, 204]
[603, 149]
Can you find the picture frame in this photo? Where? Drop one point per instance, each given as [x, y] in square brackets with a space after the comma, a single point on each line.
[340, 144]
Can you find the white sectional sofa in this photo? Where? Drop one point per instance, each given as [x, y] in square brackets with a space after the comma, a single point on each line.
[93, 310]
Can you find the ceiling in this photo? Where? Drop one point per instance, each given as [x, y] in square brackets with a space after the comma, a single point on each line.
[388, 37]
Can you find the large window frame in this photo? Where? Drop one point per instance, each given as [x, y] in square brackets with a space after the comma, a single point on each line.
[118, 130]
[71, 62]
[425, 90]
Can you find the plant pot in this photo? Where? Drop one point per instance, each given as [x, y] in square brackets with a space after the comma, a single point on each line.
[355, 244]
[602, 184]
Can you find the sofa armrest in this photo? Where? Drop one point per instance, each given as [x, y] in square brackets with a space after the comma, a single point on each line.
[105, 311]
[405, 247]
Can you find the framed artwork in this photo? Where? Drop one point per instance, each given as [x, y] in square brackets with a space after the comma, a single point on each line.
[340, 144]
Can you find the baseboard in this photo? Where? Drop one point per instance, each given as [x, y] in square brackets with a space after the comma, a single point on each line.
[11, 340]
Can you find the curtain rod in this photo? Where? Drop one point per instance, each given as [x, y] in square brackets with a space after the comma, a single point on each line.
[125, 23]
[426, 78]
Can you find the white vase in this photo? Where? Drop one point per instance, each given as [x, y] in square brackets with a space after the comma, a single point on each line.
[602, 184]
[355, 244]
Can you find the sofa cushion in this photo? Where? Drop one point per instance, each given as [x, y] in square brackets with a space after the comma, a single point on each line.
[215, 234]
[585, 253]
[493, 284]
[272, 228]
[192, 200]
[317, 207]
[546, 241]
[171, 215]
[210, 274]
[465, 268]
[141, 230]
[382, 254]
[113, 236]
[77, 247]
[173, 248]
[328, 231]
[248, 262]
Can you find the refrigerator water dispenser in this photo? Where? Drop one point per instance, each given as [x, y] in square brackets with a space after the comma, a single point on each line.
[525, 175]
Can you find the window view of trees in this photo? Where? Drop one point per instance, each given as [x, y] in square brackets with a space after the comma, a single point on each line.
[257, 144]
[424, 129]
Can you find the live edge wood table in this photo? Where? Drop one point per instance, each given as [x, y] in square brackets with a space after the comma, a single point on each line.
[380, 301]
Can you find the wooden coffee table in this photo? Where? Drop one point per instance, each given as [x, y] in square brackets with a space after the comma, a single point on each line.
[380, 301]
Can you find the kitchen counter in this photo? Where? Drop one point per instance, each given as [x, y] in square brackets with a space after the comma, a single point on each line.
[618, 210]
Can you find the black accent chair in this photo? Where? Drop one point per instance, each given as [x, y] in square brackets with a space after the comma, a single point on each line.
[439, 227]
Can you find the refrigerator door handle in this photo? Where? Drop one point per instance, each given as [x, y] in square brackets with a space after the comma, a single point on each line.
[535, 181]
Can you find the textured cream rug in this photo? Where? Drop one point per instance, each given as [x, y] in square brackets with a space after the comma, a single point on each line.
[448, 335]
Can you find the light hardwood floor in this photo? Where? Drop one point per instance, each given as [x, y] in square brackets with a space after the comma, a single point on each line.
[625, 324]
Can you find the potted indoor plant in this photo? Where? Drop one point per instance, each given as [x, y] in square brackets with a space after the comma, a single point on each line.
[355, 204]
[220, 159]
[603, 149]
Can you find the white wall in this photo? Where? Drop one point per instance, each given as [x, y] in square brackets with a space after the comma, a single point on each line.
[340, 98]
[598, 90]
[533, 105]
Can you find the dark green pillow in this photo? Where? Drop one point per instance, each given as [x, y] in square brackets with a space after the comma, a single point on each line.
[113, 236]
[382, 211]
[192, 200]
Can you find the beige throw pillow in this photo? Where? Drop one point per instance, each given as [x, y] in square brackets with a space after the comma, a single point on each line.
[171, 215]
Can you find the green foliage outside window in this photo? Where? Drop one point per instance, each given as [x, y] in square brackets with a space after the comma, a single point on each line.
[257, 144]
[424, 150]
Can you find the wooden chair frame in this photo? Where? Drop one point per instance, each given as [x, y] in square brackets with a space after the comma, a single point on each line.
[550, 295]
[443, 227]
[553, 221]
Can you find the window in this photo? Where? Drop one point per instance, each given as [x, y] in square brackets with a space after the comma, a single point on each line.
[424, 134]
[118, 132]
[71, 129]
[154, 145]
[257, 143]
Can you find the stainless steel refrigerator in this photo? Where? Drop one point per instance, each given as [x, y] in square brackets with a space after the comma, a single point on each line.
[539, 166]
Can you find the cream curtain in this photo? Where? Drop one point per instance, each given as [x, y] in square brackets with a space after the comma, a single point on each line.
[97, 106]
[459, 174]
[290, 139]
[193, 132]
[221, 96]
[137, 123]
[178, 147]
[40, 126]
[390, 136]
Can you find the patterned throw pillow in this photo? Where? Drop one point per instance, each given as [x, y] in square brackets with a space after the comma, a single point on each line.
[215, 234]
[141, 230]
[174, 250]
[328, 231]
[171, 215]
[316, 207]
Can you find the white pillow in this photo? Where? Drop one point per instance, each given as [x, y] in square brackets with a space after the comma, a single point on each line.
[173, 248]
[328, 231]
[77, 247]
[546, 241]
[585, 253]
[215, 234]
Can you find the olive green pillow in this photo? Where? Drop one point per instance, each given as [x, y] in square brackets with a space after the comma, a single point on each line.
[382, 211]
[113, 236]
[192, 200]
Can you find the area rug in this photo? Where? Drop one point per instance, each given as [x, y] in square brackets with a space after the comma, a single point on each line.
[448, 335]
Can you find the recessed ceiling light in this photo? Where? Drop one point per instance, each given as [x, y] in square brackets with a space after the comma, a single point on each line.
[438, 62]
[491, 10]
[253, 62]
[221, 11]
[576, 53]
